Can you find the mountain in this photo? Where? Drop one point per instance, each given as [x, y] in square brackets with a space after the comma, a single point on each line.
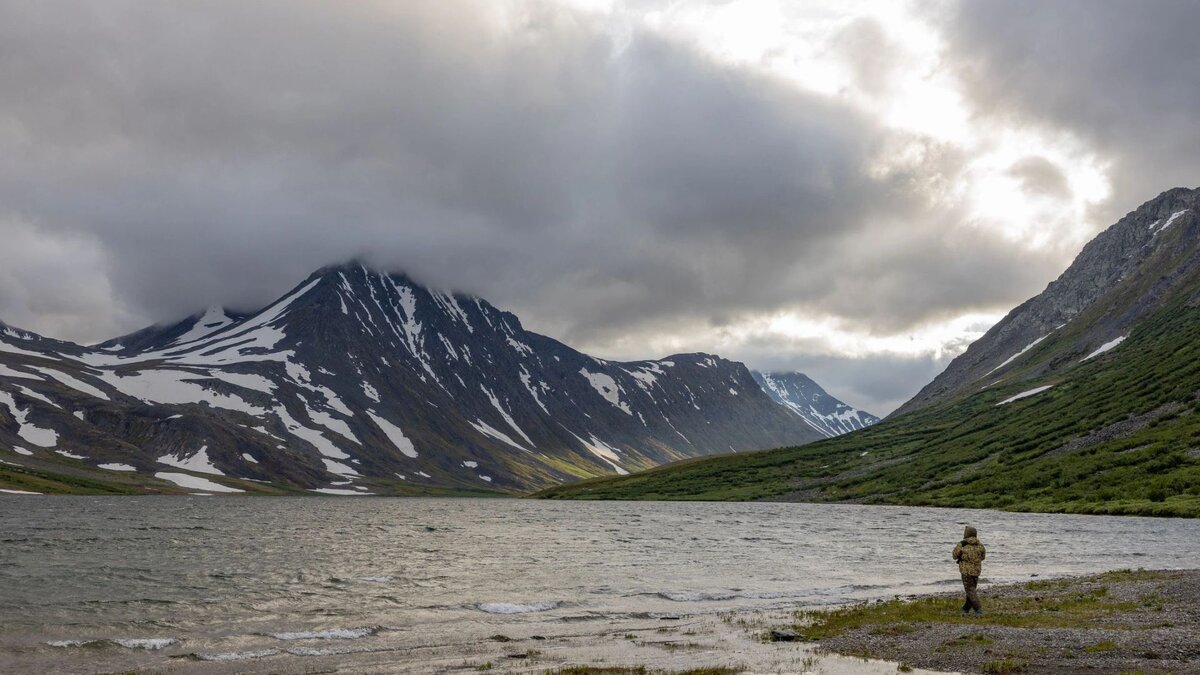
[827, 415]
[1083, 399]
[358, 381]
[1127, 272]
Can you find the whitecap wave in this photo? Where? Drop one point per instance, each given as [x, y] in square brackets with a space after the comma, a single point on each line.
[71, 643]
[151, 644]
[516, 608]
[696, 596]
[316, 651]
[237, 656]
[331, 634]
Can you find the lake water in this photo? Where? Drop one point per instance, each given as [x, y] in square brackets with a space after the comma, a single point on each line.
[278, 584]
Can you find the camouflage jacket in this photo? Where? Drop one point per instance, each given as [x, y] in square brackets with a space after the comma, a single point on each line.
[969, 555]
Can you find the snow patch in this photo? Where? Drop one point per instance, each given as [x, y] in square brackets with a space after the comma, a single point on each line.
[607, 387]
[1173, 218]
[1014, 357]
[338, 468]
[340, 492]
[528, 382]
[116, 466]
[43, 438]
[36, 396]
[213, 320]
[193, 482]
[604, 451]
[314, 437]
[395, 434]
[487, 430]
[177, 387]
[198, 462]
[5, 371]
[1107, 346]
[72, 382]
[1024, 394]
[504, 413]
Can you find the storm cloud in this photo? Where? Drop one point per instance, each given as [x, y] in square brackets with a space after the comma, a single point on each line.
[1119, 76]
[618, 187]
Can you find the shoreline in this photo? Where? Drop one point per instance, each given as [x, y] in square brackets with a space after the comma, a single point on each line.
[1143, 621]
[1113, 622]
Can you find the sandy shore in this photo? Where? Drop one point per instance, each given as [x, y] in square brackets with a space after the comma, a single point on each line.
[1117, 622]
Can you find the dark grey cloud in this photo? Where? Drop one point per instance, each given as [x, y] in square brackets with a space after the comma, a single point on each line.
[870, 52]
[604, 184]
[1040, 176]
[1120, 76]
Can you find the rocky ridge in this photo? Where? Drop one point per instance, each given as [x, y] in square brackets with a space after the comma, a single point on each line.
[358, 381]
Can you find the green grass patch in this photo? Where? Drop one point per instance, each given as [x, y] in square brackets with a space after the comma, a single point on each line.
[1071, 610]
[641, 670]
[969, 640]
[1003, 667]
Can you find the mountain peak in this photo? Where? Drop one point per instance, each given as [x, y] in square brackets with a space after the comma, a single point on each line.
[1125, 272]
[800, 394]
[368, 377]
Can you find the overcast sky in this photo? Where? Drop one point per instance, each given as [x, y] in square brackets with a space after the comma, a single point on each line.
[852, 189]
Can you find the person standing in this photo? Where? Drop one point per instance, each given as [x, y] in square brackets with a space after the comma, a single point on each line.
[969, 555]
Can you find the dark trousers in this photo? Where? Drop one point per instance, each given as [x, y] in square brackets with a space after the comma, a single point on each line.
[969, 584]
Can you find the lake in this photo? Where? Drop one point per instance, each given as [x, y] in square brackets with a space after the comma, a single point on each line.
[279, 584]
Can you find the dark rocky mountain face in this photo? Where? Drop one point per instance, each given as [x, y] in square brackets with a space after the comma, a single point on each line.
[1122, 275]
[360, 381]
[804, 397]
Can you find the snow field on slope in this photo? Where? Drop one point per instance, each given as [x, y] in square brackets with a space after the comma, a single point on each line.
[199, 462]
[607, 387]
[31, 433]
[1024, 394]
[394, 434]
[193, 482]
[488, 430]
[1107, 346]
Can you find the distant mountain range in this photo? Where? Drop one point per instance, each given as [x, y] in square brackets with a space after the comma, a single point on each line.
[827, 415]
[1084, 398]
[357, 381]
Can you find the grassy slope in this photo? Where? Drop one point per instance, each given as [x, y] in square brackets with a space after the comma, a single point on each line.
[970, 453]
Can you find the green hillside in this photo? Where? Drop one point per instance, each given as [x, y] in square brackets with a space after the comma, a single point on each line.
[1116, 434]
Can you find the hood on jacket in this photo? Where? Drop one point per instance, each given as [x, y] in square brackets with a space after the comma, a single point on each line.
[970, 532]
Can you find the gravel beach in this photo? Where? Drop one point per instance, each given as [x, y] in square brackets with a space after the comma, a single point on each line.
[1117, 622]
